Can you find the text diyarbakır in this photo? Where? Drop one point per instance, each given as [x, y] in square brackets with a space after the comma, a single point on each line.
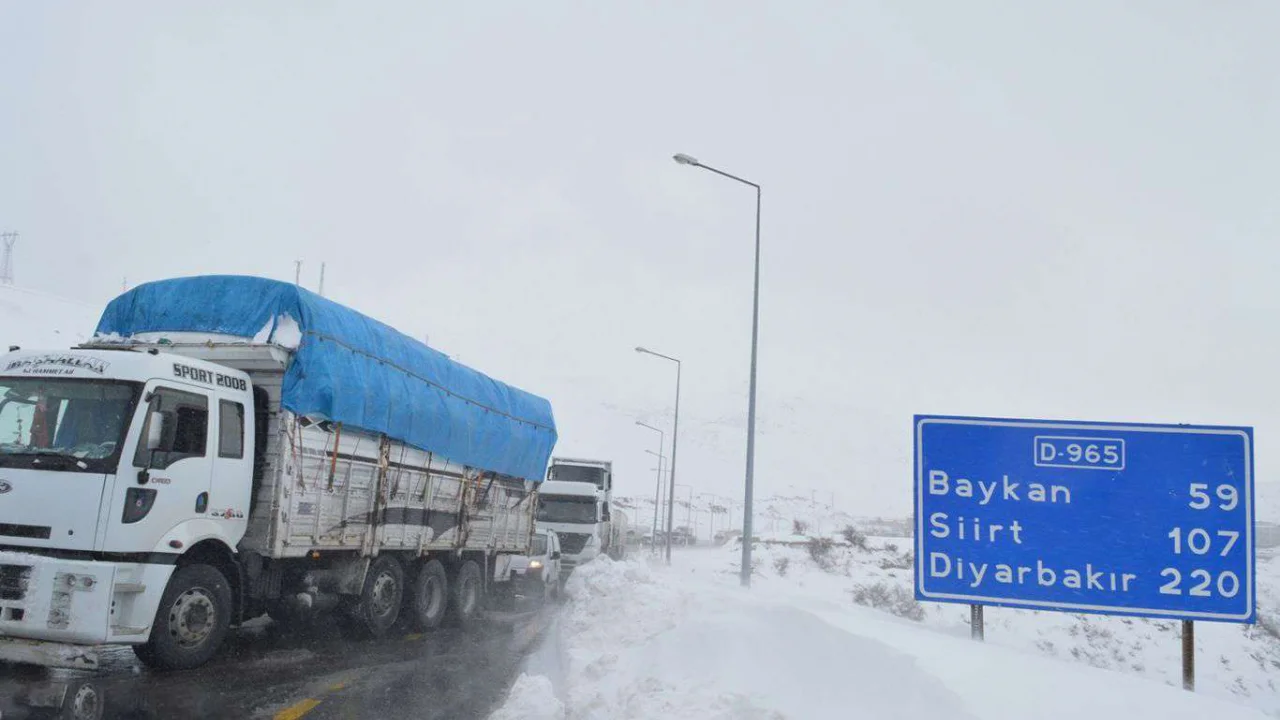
[1086, 578]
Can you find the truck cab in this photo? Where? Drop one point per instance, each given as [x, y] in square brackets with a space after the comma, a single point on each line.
[575, 503]
[113, 464]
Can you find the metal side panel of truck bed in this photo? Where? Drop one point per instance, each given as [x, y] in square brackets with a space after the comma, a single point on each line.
[349, 490]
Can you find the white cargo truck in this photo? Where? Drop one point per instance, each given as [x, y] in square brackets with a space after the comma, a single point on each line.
[576, 502]
[231, 445]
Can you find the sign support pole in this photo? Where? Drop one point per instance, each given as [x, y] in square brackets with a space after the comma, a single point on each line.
[976, 629]
[1188, 655]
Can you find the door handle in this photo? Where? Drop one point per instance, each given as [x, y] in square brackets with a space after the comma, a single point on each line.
[202, 502]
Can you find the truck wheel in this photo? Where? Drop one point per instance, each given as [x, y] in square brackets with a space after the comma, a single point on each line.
[379, 605]
[191, 622]
[464, 596]
[85, 702]
[430, 596]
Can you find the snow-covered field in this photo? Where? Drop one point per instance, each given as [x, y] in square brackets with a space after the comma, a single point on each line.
[641, 641]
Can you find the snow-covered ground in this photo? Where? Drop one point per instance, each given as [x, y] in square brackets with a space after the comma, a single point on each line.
[641, 641]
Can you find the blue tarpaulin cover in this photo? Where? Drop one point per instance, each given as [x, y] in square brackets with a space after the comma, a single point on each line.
[352, 369]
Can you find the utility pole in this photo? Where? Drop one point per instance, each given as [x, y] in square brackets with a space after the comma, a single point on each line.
[297, 272]
[6, 261]
[320, 291]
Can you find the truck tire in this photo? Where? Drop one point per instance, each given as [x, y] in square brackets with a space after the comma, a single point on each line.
[379, 605]
[191, 622]
[83, 701]
[430, 597]
[464, 595]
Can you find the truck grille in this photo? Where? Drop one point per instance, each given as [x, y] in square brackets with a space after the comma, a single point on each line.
[13, 581]
[572, 543]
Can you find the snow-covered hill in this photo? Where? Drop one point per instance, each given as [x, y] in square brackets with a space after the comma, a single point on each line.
[775, 516]
[34, 319]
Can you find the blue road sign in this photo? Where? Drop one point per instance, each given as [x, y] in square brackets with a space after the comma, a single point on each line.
[1149, 520]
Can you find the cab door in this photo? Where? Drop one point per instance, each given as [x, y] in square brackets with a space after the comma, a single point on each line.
[155, 490]
[233, 464]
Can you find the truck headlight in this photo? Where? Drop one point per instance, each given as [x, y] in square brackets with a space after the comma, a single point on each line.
[77, 582]
[535, 564]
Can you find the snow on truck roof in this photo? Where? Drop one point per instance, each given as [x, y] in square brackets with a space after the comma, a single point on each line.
[352, 369]
[567, 487]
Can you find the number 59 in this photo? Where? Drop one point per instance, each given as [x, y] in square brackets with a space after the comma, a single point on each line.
[1201, 500]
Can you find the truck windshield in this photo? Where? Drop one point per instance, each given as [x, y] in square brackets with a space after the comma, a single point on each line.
[64, 424]
[567, 509]
[578, 473]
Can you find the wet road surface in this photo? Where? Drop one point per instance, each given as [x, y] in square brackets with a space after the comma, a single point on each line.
[266, 671]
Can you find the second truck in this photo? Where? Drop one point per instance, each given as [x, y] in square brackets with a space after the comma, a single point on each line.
[576, 502]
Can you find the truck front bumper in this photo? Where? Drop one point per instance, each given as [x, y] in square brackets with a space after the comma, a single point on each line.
[73, 602]
[48, 654]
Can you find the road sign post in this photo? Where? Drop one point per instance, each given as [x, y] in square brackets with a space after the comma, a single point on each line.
[1188, 655]
[977, 627]
[1127, 519]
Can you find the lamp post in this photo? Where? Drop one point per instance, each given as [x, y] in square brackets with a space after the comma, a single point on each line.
[675, 438]
[657, 497]
[751, 396]
[657, 486]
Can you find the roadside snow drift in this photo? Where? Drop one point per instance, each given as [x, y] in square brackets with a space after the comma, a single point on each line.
[686, 642]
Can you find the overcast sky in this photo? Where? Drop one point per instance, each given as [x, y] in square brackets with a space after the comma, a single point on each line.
[1060, 210]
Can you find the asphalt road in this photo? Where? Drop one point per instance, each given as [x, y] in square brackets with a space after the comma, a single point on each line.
[266, 671]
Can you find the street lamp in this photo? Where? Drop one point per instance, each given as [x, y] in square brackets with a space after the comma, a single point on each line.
[675, 437]
[751, 397]
[657, 494]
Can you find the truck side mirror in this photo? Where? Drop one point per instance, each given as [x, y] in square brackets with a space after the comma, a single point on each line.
[555, 555]
[155, 430]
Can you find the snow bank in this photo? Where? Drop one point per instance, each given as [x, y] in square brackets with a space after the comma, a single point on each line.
[642, 646]
[686, 642]
[532, 698]
[1237, 662]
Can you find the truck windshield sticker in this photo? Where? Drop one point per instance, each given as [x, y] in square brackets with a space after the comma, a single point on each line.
[57, 364]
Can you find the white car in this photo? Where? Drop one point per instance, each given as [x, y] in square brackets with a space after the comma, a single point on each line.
[541, 569]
